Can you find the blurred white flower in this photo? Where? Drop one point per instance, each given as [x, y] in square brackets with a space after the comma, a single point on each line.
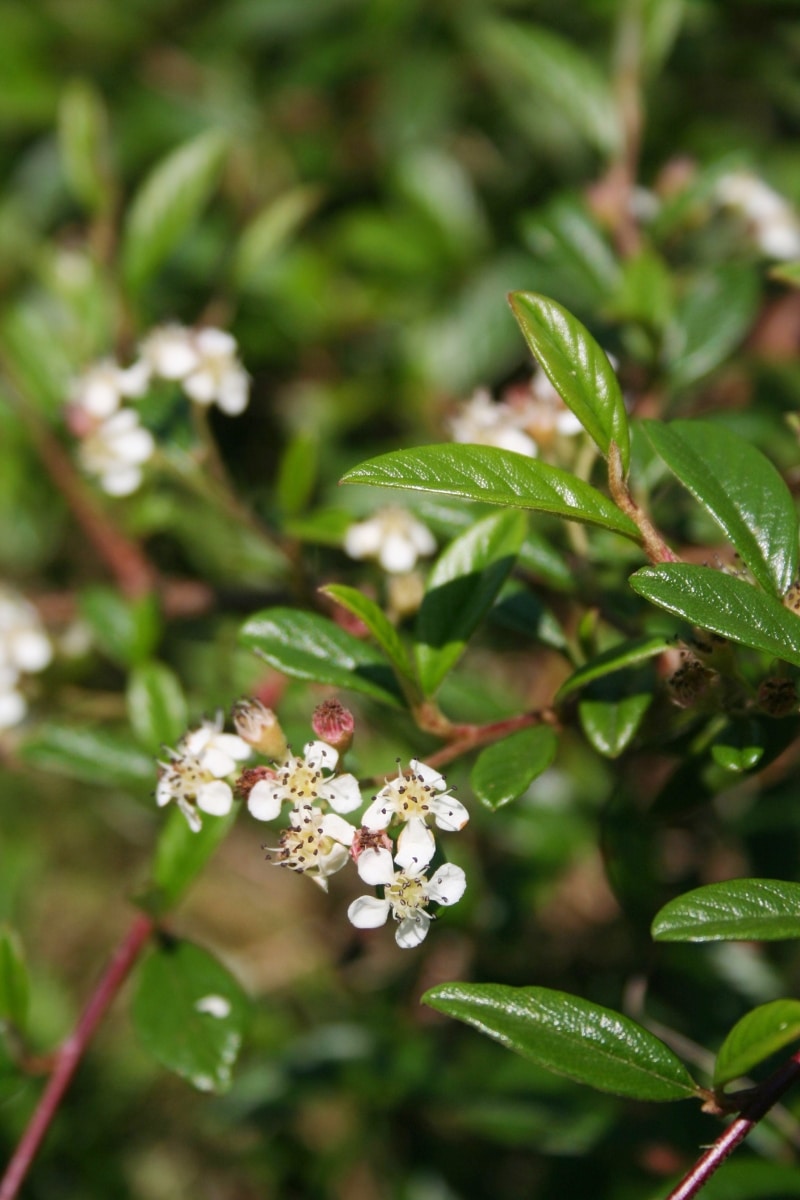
[300, 781]
[480, 421]
[406, 895]
[203, 361]
[773, 222]
[316, 844]
[413, 799]
[115, 450]
[218, 752]
[98, 392]
[169, 351]
[393, 536]
[24, 649]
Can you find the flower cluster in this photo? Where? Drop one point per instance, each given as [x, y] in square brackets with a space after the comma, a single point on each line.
[772, 222]
[200, 777]
[114, 446]
[24, 650]
[528, 417]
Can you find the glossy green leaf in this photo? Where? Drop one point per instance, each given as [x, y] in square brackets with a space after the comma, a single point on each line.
[739, 747]
[611, 725]
[521, 610]
[722, 604]
[461, 587]
[14, 982]
[740, 910]
[573, 256]
[577, 367]
[741, 489]
[190, 1013]
[127, 631]
[181, 854]
[89, 755]
[376, 622]
[626, 654]
[569, 1036]
[83, 144]
[494, 477]
[157, 707]
[270, 230]
[710, 322]
[504, 771]
[305, 645]
[760, 1033]
[168, 203]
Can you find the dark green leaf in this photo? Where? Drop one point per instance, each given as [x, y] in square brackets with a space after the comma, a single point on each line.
[611, 725]
[307, 646]
[461, 587]
[577, 367]
[572, 255]
[722, 604]
[125, 630]
[376, 622]
[626, 654]
[711, 320]
[156, 706]
[181, 854]
[495, 477]
[760, 1033]
[190, 1013]
[521, 610]
[569, 1036]
[88, 755]
[14, 983]
[505, 770]
[741, 489]
[741, 910]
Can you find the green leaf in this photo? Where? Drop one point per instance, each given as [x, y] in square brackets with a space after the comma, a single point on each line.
[577, 367]
[307, 646]
[741, 910]
[739, 747]
[505, 770]
[127, 631]
[168, 203]
[573, 257]
[461, 587]
[569, 1036]
[89, 755]
[760, 1033]
[190, 1013]
[625, 654]
[611, 725]
[181, 854]
[156, 706]
[83, 144]
[786, 272]
[722, 604]
[742, 490]
[495, 477]
[14, 982]
[376, 622]
[270, 230]
[711, 320]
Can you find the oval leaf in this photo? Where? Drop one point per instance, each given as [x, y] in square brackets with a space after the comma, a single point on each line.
[14, 982]
[712, 318]
[376, 622]
[308, 646]
[760, 1033]
[504, 771]
[181, 854]
[722, 604]
[740, 910]
[742, 490]
[577, 367]
[461, 587]
[83, 144]
[156, 706]
[88, 755]
[739, 747]
[569, 1036]
[611, 725]
[190, 1013]
[626, 654]
[495, 477]
[125, 630]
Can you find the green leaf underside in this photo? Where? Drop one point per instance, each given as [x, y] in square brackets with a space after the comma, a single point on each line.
[376, 622]
[742, 491]
[760, 1033]
[722, 604]
[504, 771]
[496, 477]
[626, 654]
[577, 367]
[175, 984]
[181, 854]
[611, 725]
[569, 1036]
[95, 756]
[156, 705]
[461, 587]
[305, 645]
[740, 910]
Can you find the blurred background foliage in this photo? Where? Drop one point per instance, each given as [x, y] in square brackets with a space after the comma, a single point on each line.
[379, 175]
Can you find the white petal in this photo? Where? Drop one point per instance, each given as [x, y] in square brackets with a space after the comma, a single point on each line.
[121, 482]
[135, 446]
[164, 791]
[234, 392]
[134, 380]
[333, 861]
[415, 846]
[264, 801]
[233, 745]
[12, 709]
[516, 440]
[215, 343]
[379, 813]
[430, 777]
[319, 755]
[375, 866]
[342, 793]
[215, 798]
[412, 930]
[337, 828]
[200, 386]
[367, 912]
[191, 815]
[363, 540]
[398, 554]
[217, 762]
[447, 885]
[30, 650]
[449, 813]
[98, 395]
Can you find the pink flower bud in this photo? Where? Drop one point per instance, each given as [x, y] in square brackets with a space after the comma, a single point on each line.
[334, 724]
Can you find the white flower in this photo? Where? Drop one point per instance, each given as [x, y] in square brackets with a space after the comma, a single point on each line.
[300, 781]
[195, 775]
[482, 422]
[317, 844]
[393, 536]
[216, 751]
[773, 222]
[115, 451]
[170, 352]
[412, 799]
[24, 649]
[204, 361]
[100, 390]
[406, 895]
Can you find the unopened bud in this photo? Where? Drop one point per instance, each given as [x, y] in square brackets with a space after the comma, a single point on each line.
[777, 697]
[689, 682]
[334, 724]
[260, 728]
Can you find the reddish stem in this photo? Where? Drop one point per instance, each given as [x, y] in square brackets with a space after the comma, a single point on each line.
[71, 1051]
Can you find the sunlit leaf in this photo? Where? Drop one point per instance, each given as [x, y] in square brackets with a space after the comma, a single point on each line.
[626, 654]
[505, 770]
[611, 725]
[740, 910]
[377, 623]
[760, 1033]
[157, 707]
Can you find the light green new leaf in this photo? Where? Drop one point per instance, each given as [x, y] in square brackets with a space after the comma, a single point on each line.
[376, 622]
[741, 489]
[611, 725]
[270, 230]
[577, 367]
[83, 144]
[569, 1036]
[710, 322]
[495, 477]
[739, 747]
[504, 771]
[181, 854]
[760, 1033]
[96, 756]
[625, 654]
[190, 1013]
[722, 604]
[156, 704]
[127, 631]
[14, 982]
[461, 587]
[740, 910]
[168, 203]
[308, 646]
